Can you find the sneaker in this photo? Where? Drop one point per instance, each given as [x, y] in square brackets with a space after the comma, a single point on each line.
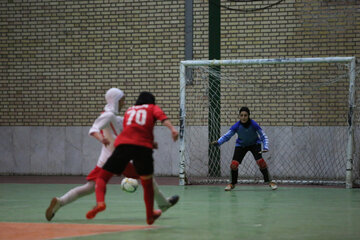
[229, 187]
[172, 201]
[273, 185]
[53, 207]
[156, 215]
[98, 208]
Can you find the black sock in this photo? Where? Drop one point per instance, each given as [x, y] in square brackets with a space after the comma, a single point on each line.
[265, 173]
[234, 176]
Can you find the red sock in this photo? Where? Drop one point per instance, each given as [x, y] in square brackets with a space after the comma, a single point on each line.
[148, 196]
[100, 187]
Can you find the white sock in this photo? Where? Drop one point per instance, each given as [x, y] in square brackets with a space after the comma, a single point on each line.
[77, 192]
[159, 196]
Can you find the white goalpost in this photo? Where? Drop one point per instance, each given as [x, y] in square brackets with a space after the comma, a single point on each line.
[306, 106]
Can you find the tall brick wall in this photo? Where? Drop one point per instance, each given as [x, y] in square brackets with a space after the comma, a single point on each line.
[57, 58]
[294, 28]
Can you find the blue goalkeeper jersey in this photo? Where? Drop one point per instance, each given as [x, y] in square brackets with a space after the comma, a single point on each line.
[246, 136]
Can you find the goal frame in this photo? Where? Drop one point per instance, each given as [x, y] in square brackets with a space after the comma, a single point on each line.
[351, 101]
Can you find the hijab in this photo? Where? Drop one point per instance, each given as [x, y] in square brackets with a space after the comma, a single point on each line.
[112, 97]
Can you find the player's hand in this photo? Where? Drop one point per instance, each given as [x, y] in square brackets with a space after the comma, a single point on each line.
[174, 135]
[155, 145]
[105, 141]
[214, 143]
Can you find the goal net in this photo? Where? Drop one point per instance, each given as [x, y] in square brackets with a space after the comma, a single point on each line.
[306, 106]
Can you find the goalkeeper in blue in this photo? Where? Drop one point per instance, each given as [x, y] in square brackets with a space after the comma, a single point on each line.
[250, 138]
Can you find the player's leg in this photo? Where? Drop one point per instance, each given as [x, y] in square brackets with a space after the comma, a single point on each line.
[75, 193]
[151, 214]
[70, 196]
[100, 190]
[83, 190]
[260, 161]
[144, 165]
[114, 165]
[163, 202]
[239, 154]
[256, 152]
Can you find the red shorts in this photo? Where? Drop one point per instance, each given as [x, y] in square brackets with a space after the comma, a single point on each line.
[93, 174]
[129, 172]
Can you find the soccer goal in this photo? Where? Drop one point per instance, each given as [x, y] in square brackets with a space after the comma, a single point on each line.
[307, 107]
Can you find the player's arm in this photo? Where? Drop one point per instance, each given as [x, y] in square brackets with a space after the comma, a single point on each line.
[100, 138]
[160, 115]
[120, 121]
[100, 123]
[264, 139]
[174, 132]
[226, 137]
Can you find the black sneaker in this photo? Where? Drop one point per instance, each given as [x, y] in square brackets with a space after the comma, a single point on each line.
[172, 201]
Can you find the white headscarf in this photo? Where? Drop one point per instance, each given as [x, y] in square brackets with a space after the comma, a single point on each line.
[112, 97]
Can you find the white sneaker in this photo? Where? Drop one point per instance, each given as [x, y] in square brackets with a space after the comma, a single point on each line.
[229, 187]
[273, 185]
[53, 207]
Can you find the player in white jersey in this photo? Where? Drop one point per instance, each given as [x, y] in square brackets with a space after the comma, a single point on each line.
[105, 129]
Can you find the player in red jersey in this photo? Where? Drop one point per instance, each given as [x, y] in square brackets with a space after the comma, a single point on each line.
[135, 143]
[105, 129]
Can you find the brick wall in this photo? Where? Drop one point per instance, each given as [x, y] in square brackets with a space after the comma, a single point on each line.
[57, 58]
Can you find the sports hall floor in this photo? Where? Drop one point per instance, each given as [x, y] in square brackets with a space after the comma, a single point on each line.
[203, 212]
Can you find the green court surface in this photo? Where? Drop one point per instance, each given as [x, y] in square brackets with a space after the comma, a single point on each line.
[203, 212]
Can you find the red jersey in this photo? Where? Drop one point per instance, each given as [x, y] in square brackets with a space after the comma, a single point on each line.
[138, 125]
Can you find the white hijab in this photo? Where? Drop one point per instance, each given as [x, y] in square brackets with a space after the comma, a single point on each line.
[112, 97]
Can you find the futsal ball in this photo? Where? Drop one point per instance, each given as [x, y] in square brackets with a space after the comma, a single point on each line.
[129, 185]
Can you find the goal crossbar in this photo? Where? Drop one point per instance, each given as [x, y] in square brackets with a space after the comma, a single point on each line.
[264, 61]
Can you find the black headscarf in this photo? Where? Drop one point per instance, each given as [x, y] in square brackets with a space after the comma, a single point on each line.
[245, 109]
[145, 98]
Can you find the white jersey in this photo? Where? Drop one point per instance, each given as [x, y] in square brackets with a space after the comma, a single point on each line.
[109, 125]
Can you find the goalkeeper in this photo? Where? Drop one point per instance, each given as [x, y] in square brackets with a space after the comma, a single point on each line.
[250, 138]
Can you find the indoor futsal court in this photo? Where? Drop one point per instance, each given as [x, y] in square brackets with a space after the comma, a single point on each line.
[203, 212]
[246, 113]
